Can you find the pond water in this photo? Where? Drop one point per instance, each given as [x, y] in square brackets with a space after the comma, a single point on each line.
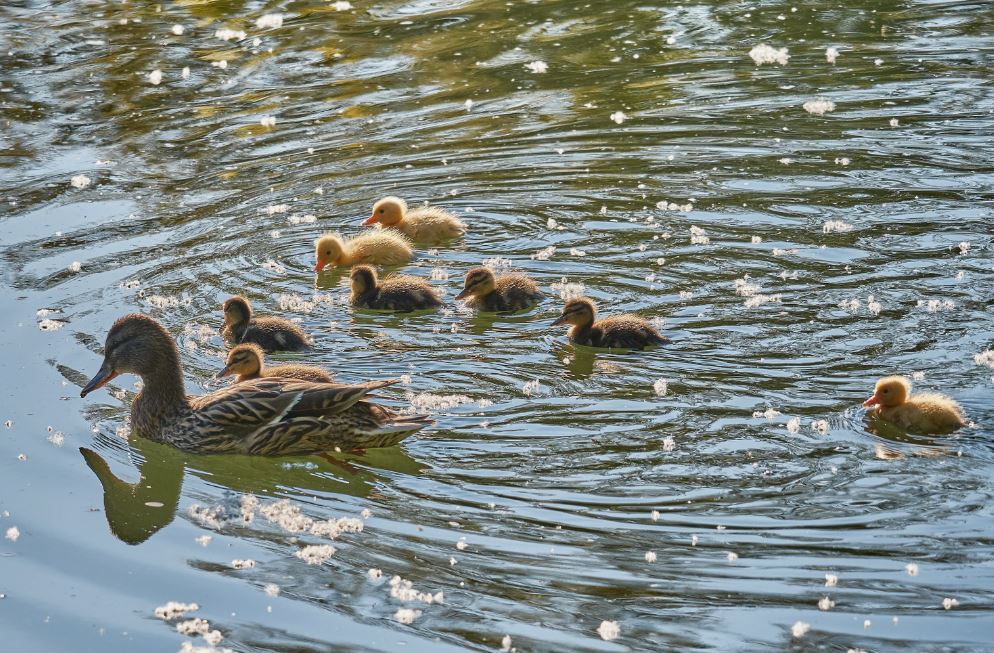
[721, 493]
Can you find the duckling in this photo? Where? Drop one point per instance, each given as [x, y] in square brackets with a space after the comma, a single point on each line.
[398, 293]
[924, 413]
[270, 333]
[380, 247]
[512, 291]
[248, 362]
[428, 223]
[620, 331]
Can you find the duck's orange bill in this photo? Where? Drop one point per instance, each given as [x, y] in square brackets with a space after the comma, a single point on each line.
[370, 220]
[319, 265]
[102, 378]
[464, 293]
[872, 401]
[224, 372]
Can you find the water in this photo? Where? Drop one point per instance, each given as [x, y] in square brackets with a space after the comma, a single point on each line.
[191, 199]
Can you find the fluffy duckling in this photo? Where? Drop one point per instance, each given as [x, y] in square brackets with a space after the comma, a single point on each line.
[428, 223]
[508, 292]
[619, 331]
[927, 412]
[398, 293]
[380, 247]
[248, 362]
[270, 333]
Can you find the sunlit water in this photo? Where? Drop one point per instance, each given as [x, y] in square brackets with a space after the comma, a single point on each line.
[662, 165]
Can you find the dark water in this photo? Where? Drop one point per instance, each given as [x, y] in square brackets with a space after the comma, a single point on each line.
[552, 489]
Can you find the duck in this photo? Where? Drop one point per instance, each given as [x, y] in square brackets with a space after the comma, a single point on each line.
[268, 416]
[248, 362]
[427, 224]
[270, 333]
[380, 247]
[618, 331]
[511, 291]
[399, 293]
[927, 412]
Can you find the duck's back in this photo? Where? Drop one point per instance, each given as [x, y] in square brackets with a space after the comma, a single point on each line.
[927, 412]
[623, 332]
[380, 247]
[430, 223]
[512, 292]
[276, 334]
[401, 293]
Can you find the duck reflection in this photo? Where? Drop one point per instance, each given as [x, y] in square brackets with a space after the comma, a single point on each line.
[137, 510]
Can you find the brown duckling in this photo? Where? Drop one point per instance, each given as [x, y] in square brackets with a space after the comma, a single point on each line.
[271, 416]
[425, 224]
[923, 413]
[397, 293]
[618, 331]
[270, 333]
[511, 291]
[248, 362]
[380, 247]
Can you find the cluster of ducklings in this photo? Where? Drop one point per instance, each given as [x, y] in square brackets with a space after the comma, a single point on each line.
[299, 409]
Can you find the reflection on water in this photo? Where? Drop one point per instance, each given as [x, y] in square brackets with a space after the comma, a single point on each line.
[792, 257]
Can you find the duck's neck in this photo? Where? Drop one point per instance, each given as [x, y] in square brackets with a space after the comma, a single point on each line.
[163, 396]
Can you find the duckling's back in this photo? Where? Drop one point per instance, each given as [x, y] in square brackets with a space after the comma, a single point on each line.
[380, 247]
[927, 412]
[625, 332]
[300, 372]
[403, 294]
[276, 334]
[431, 223]
[512, 292]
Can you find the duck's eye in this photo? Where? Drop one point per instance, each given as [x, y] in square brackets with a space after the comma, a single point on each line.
[885, 390]
[382, 210]
[327, 253]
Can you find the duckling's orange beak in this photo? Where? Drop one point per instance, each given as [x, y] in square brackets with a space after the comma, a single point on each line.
[370, 220]
[559, 320]
[103, 377]
[465, 293]
[872, 401]
[225, 371]
[320, 265]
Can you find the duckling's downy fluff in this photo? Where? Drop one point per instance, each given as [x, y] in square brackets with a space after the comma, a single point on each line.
[619, 331]
[928, 412]
[264, 417]
[270, 333]
[380, 247]
[248, 362]
[511, 291]
[425, 224]
[397, 293]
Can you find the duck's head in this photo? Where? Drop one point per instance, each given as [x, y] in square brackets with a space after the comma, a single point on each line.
[388, 211]
[136, 344]
[244, 360]
[578, 312]
[237, 310]
[479, 282]
[328, 249]
[363, 278]
[890, 391]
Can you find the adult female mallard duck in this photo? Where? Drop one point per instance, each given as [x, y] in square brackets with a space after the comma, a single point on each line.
[248, 362]
[380, 247]
[270, 333]
[511, 291]
[426, 224]
[263, 417]
[619, 331]
[928, 412]
[397, 293]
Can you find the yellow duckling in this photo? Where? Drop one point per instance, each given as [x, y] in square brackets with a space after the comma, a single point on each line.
[511, 291]
[619, 331]
[927, 412]
[427, 223]
[380, 247]
[398, 293]
[248, 362]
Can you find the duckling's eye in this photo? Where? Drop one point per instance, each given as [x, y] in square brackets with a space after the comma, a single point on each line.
[327, 252]
[382, 210]
[885, 390]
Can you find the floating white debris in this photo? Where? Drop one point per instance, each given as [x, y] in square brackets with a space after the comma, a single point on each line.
[878, 62]
[268, 121]
[229, 34]
[203, 540]
[758, 300]
[609, 630]
[544, 254]
[174, 610]
[769, 414]
[551, 223]
[272, 589]
[374, 574]
[439, 274]
[468, 104]
[873, 306]
[576, 252]
[831, 54]
[764, 53]
[315, 554]
[732, 556]
[341, 5]
[819, 107]
[403, 590]
[366, 512]
[800, 629]
[406, 615]
[178, 30]
[836, 227]
[294, 303]
[936, 305]
[756, 239]
[531, 387]
[185, 74]
[50, 325]
[911, 568]
[794, 425]
[985, 357]
[949, 604]
[660, 386]
[650, 556]
[893, 122]
[618, 117]
[79, 181]
[537, 67]
[568, 289]
[57, 438]
[694, 540]
[269, 21]
[826, 604]
[222, 64]
[13, 533]
[427, 402]
[155, 77]
[963, 247]
[698, 236]
[505, 644]
[831, 580]
[243, 564]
